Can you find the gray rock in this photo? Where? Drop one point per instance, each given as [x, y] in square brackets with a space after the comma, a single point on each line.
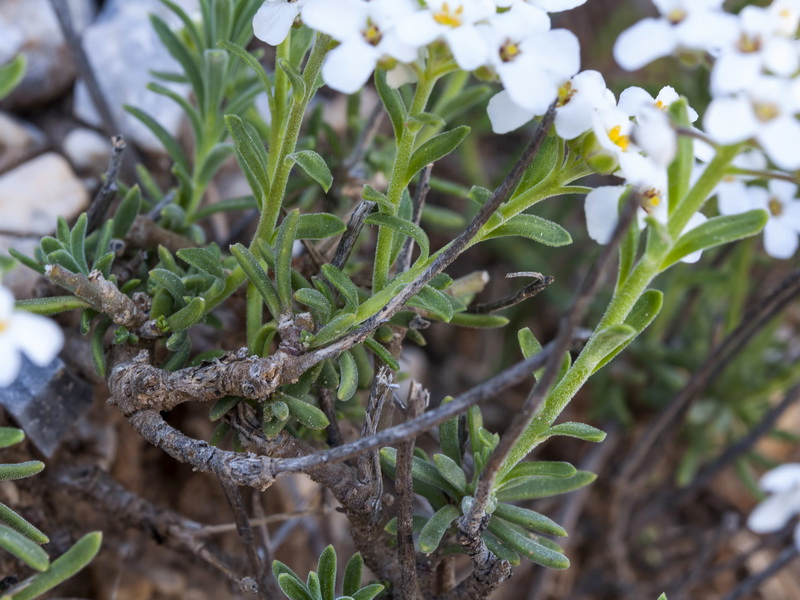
[31, 26]
[20, 280]
[36, 192]
[87, 150]
[19, 141]
[123, 68]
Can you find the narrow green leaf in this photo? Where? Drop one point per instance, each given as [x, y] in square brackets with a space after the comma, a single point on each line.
[295, 78]
[248, 152]
[642, 314]
[333, 330]
[382, 353]
[433, 301]
[20, 470]
[222, 406]
[171, 145]
[11, 74]
[421, 485]
[307, 415]
[348, 377]
[97, 346]
[370, 194]
[432, 533]
[203, 259]
[529, 519]
[284, 243]
[451, 471]
[64, 259]
[526, 546]
[604, 342]
[392, 102]
[251, 62]
[26, 550]
[10, 436]
[474, 321]
[549, 468]
[715, 232]
[62, 568]
[318, 226]
[170, 282]
[294, 589]
[424, 472]
[15, 521]
[256, 274]
[435, 148]
[77, 243]
[314, 166]
[52, 305]
[500, 549]
[368, 592]
[582, 431]
[27, 261]
[316, 301]
[352, 574]
[189, 315]
[449, 437]
[404, 227]
[679, 172]
[533, 228]
[527, 488]
[550, 155]
[343, 284]
[182, 54]
[326, 569]
[127, 212]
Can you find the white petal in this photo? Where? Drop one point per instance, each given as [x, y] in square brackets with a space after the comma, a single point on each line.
[695, 220]
[602, 212]
[695, 31]
[730, 120]
[733, 198]
[348, 67]
[38, 337]
[574, 118]
[646, 41]
[342, 20]
[506, 116]
[6, 304]
[632, 99]
[557, 5]
[468, 47]
[734, 71]
[780, 241]
[418, 29]
[773, 513]
[558, 51]
[10, 361]
[781, 56]
[780, 140]
[272, 22]
[528, 85]
[781, 479]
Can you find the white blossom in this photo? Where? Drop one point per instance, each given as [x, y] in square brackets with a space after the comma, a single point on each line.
[272, 22]
[39, 338]
[783, 503]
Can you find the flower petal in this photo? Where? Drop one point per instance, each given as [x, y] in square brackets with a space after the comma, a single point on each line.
[505, 115]
[644, 42]
[781, 479]
[780, 140]
[774, 512]
[10, 361]
[38, 337]
[348, 67]
[468, 47]
[780, 240]
[272, 22]
[602, 212]
[730, 120]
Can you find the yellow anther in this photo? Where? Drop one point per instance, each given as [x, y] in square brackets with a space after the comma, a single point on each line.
[372, 34]
[509, 51]
[676, 15]
[565, 93]
[748, 44]
[3, 326]
[615, 135]
[660, 105]
[766, 111]
[650, 199]
[451, 18]
[775, 207]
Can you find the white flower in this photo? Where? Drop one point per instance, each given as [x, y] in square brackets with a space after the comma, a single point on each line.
[765, 111]
[733, 194]
[455, 22]
[684, 24]
[274, 19]
[367, 34]
[37, 337]
[613, 127]
[783, 483]
[545, 5]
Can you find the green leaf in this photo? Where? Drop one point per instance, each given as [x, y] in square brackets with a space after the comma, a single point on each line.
[202, 259]
[352, 574]
[20, 470]
[435, 148]
[550, 155]
[451, 471]
[333, 330]
[256, 274]
[432, 533]
[170, 282]
[316, 301]
[449, 438]
[423, 472]
[541, 486]
[526, 546]
[294, 589]
[127, 212]
[222, 406]
[23, 548]
[10, 436]
[529, 519]
[15, 521]
[284, 244]
[189, 315]
[314, 165]
[642, 314]
[549, 468]
[500, 549]
[368, 592]
[52, 305]
[182, 54]
[11, 74]
[533, 228]
[474, 321]
[307, 415]
[382, 353]
[433, 301]
[295, 78]
[582, 431]
[64, 567]
[715, 232]
[249, 152]
[348, 377]
[77, 243]
[318, 226]
[679, 172]
[422, 485]
[404, 227]
[343, 284]
[171, 145]
[606, 341]
[64, 259]
[392, 102]
[326, 569]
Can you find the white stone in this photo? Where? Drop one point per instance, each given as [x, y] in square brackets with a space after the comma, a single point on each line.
[19, 141]
[87, 150]
[35, 193]
[123, 69]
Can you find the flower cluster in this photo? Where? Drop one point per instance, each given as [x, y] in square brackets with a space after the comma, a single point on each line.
[783, 504]
[39, 338]
[511, 38]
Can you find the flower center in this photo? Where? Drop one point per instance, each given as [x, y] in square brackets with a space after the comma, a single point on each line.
[565, 93]
[775, 207]
[372, 33]
[615, 135]
[765, 111]
[509, 51]
[676, 15]
[651, 199]
[749, 44]
[3, 326]
[446, 16]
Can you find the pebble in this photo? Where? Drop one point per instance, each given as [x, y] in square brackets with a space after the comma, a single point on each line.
[31, 26]
[87, 150]
[122, 80]
[33, 194]
[19, 141]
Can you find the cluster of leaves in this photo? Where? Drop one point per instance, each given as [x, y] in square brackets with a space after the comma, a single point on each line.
[321, 584]
[24, 540]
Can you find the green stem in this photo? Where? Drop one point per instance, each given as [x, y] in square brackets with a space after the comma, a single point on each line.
[278, 105]
[397, 182]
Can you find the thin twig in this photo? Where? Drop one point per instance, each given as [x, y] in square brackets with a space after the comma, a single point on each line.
[266, 520]
[418, 398]
[471, 522]
[327, 402]
[105, 195]
[350, 235]
[423, 187]
[751, 584]
[529, 291]
[243, 528]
